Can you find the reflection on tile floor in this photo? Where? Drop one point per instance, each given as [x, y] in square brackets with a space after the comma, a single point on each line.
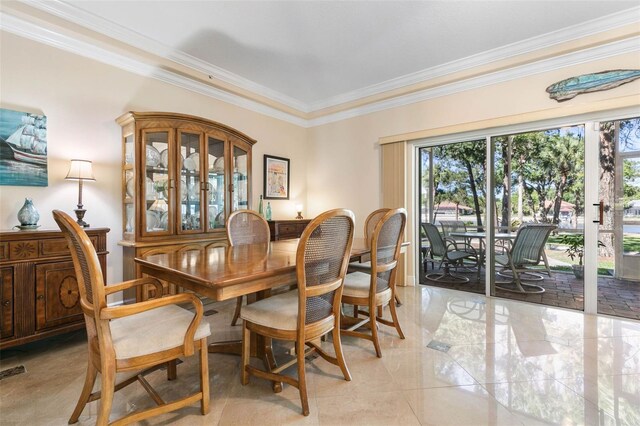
[509, 363]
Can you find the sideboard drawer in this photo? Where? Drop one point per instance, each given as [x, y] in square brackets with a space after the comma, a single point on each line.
[287, 229]
[59, 247]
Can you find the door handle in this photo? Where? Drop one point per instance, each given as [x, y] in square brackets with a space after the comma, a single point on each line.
[600, 207]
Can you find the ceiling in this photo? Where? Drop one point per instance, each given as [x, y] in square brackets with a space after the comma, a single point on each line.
[310, 52]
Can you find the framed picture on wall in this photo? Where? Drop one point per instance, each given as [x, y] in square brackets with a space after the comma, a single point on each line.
[276, 178]
[23, 148]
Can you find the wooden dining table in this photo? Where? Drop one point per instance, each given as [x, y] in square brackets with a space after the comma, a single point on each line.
[223, 273]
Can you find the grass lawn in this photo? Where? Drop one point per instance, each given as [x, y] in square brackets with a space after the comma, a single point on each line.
[631, 243]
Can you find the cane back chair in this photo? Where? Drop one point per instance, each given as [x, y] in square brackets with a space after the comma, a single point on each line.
[131, 338]
[378, 288]
[369, 225]
[246, 227]
[311, 311]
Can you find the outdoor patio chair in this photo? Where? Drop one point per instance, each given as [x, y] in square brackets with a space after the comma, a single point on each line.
[447, 254]
[450, 227]
[526, 251]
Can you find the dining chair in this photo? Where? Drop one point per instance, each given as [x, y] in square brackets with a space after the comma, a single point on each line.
[311, 311]
[377, 289]
[447, 253]
[246, 227]
[364, 264]
[526, 251]
[136, 338]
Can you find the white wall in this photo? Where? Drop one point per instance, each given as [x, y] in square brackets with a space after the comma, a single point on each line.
[81, 99]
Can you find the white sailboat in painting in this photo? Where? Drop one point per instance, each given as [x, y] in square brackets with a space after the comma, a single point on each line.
[29, 141]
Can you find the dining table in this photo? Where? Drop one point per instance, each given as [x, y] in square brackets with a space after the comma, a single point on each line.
[223, 273]
[481, 237]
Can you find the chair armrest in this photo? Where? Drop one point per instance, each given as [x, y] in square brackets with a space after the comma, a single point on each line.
[112, 288]
[114, 312]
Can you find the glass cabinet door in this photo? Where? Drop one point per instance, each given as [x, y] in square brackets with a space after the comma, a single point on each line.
[240, 179]
[190, 210]
[128, 169]
[155, 186]
[215, 183]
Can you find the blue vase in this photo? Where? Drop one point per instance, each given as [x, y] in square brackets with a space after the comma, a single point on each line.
[28, 215]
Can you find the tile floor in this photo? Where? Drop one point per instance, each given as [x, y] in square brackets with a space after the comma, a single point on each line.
[504, 362]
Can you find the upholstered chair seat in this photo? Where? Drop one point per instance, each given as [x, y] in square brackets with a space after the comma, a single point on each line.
[358, 284]
[279, 311]
[153, 331]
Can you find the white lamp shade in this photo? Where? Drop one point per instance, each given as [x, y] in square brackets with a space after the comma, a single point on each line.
[80, 169]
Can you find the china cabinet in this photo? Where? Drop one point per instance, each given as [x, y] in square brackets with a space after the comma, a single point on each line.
[39, 294]
[182, 176]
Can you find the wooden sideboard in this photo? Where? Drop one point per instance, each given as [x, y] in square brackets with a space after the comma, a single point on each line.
[287, 229]
[38, 289]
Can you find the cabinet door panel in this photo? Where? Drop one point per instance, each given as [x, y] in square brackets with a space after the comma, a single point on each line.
[241, 166]
[191, 183]
[215, 188]
[57, 295]
[6, 302]
[157, 182]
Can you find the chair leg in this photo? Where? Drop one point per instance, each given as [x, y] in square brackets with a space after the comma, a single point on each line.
[396, 323]
[374, 331]
[204, 377]
[89, 381]
[172, 370]
[246, 340]
[302, 380]
[355, 311]
[398, 301]
[236, 314]
[546, 263]
[337, 346]
[107, 389]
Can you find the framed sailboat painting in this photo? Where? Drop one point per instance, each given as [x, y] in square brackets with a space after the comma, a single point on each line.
[23, 148]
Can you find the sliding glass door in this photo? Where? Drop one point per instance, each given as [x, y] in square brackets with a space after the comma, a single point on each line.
[619, 218]
[452, 194]
[538, 211]
[550, 211]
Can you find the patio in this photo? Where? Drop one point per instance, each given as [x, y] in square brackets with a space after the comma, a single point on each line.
[615, 297]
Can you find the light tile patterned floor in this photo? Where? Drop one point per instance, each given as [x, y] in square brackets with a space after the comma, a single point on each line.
[509, 363]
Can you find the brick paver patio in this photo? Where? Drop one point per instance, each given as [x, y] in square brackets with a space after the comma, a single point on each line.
[615, 297]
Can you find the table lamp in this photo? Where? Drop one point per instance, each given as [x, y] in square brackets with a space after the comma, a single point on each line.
[299, 210]
[80, 170]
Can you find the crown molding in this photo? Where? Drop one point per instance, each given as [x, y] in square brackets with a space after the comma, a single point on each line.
[544, 41]
[88, 20]
[55, 37]
[579, 57]
[32, 31]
